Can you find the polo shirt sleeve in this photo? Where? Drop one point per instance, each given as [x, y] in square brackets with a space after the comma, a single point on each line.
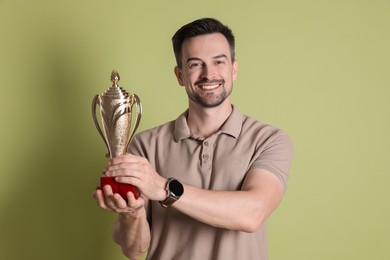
[275, 155]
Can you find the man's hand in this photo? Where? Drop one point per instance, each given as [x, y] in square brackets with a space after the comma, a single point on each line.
[114, 202]
[137, 171]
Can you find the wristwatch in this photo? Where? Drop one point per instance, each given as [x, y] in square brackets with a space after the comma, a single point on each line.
[174, 189]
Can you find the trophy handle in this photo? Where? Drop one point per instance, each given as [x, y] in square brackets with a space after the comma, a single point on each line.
[94, 104]
[138, 105]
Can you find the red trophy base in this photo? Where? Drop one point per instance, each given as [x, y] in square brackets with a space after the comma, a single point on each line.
[120, 188]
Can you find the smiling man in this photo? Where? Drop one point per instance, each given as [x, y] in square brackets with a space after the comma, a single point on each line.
[210, 178]
[207, 73]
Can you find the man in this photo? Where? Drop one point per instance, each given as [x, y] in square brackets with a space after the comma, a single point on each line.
[209, 179]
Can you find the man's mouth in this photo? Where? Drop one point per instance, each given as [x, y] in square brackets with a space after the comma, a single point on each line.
[209, 87]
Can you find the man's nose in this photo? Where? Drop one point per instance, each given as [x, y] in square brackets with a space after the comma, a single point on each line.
[208, 72]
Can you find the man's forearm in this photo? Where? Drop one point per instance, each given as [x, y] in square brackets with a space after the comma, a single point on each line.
[243, 210]
[132, 234]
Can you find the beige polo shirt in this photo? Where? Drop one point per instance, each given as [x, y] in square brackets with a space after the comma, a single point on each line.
[219, 162]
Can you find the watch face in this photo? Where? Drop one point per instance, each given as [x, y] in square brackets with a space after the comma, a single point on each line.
[176, 188]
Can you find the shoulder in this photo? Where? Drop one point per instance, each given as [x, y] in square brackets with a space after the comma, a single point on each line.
[146, 142]
[259, 129]
[268, 141]
[161, 130]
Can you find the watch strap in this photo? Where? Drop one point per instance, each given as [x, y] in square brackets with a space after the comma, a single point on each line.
[168, 201]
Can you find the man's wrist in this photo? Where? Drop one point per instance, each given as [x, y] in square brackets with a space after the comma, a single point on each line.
[162, 190]
[132, 214]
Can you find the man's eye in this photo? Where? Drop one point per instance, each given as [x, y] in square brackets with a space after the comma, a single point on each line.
[194, 65]
[218, 62]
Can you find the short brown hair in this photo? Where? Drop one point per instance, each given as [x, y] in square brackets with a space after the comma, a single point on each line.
[201, 27]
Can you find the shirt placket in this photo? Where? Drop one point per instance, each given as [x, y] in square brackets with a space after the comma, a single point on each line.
[207, 152]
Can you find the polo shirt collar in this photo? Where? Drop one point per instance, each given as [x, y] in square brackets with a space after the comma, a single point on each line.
[182, 131]
[232, 126]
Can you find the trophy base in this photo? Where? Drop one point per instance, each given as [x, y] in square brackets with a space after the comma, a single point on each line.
[120, 188]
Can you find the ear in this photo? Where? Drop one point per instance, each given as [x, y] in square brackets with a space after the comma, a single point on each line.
[179, 75]
[235, 69]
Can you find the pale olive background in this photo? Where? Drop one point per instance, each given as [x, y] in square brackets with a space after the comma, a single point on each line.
[317, 69]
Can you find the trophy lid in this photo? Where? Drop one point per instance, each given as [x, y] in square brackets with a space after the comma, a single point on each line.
[115, 91]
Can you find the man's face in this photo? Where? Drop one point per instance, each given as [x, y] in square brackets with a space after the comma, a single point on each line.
[207, 72]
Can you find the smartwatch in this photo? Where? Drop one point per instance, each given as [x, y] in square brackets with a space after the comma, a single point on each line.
[174, 190]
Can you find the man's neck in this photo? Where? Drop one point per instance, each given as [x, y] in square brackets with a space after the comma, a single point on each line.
[207, 121]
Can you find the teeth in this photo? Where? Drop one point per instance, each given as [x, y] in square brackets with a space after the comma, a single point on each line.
[210, 87]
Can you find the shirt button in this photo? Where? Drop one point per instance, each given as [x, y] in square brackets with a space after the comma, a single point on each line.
[206, 143]
[205, 156]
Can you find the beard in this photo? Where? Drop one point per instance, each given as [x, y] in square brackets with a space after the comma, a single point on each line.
[210, 100]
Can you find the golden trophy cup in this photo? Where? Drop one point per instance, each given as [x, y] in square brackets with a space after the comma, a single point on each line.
[116, 113]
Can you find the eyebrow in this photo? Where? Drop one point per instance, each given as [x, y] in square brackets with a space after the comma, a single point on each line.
[215, 57]
[220, 56]
[191, 59]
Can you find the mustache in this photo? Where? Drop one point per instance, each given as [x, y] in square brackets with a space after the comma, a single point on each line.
[206, 81]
